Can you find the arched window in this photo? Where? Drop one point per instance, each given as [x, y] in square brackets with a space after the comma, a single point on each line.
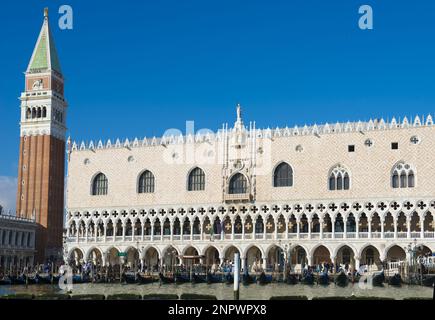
[402, 176]
[99, 185]
[44, 112]
[146, 182]
[196, 180]
[283, 175]
[339, 178]
[238, 184]
[28, 113]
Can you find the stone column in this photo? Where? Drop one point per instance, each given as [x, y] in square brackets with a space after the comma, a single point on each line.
[382, 228]
[123, 231]
[408, 227]
[191, 230]
[298, 224]
[86, 232]
[357, 226]
[395, 227]
[171, 230]
[142, 231]
[357, 262]
[309, 228]
[243, 229]
[321, 228]
[243, 263]
[152, 230]
[421, 217]
[369, 222]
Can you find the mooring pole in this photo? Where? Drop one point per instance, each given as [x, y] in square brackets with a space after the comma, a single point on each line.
[236, 275]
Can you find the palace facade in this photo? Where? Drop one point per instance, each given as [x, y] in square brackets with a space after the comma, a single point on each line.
[356, 192]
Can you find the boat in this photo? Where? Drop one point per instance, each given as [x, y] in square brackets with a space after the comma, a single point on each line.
[323, 278]
[213, 278]
[165, 279]
[129, 277]
[308, 278]
[395, 280]
[341, 280]
[247, 279]
[196, 278]
[144, 279]
[378, 278]
[21, 279]
[78, 278]
[181, 278]
[32, 279]
[229, 278]
[44, 278]
[292, 278]
[6, 281]
[264, 279]
[428, 281]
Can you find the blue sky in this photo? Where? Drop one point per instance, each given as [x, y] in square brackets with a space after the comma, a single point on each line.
[138, 68]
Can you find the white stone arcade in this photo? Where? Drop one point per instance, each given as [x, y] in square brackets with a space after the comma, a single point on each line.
[354, 232]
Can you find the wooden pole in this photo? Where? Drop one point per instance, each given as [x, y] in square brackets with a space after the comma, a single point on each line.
[236, 275]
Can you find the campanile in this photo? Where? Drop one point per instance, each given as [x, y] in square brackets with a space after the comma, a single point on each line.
[42, 146]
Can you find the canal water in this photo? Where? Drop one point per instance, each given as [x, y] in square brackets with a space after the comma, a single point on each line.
[224, 291]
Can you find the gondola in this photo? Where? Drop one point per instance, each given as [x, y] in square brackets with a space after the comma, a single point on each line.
[181, 278]
[323, 278]
[429, 281]
[78, 278]
[264, 279]
[32, 279]
[129, 277]
[6, 281]
[395, 280]
[144, 279]
[247, 279]
[308, 278]
[378, 279]
[44, 278]
[166, 280]
[342, 280]
[196, 278]
[291, 279]
[214, 278]
[21, 279]
[229, 278]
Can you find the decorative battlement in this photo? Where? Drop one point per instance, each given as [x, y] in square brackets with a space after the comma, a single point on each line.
[316, 130]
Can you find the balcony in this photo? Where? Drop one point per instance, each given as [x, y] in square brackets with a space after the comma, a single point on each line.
[238, 197]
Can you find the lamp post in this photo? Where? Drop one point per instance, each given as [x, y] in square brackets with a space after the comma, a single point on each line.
[412, 250]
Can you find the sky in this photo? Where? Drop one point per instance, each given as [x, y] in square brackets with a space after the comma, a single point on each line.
[137, 68]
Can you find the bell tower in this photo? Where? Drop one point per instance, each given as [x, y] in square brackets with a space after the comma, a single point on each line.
[42, 146]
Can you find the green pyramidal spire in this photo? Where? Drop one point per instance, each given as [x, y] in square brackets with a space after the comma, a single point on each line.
[44, 57]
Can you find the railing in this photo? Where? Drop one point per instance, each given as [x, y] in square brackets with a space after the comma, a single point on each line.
[258, 236]
[429, 234]
[237, 197]
[327, 235]
[415, 234]
[389, 234]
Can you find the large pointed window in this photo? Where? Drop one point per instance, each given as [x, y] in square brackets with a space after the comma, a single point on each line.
[99, 185]
[196, 180]
[339, 178]
[238, 184]
[402, 176]
[146, 182]
[283, 175]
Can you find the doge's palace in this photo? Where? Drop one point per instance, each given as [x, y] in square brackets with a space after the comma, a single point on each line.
[355, 192]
